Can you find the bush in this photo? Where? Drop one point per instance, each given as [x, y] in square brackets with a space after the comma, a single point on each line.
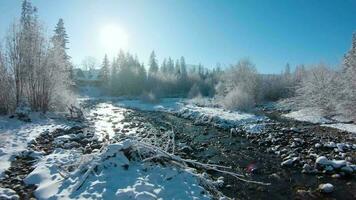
[237, 99]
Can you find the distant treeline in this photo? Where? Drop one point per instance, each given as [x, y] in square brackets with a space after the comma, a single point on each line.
[126, 76]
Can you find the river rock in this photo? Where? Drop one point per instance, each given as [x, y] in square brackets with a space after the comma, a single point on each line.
[347, 169]
[326, 188]
[6, 193]
[317, 145]
[337, 164]
[290, 161]
[322, 161]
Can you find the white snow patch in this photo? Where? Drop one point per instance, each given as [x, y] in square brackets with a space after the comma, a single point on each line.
[315, 116]
[344, 127]
[308, 115]
[224, 118]
[110, 179]
[15, 135]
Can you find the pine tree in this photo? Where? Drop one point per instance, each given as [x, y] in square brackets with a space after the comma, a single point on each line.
[104, 71]
[153, 64]
[170, 66]
[61, 34]
[60, 38]
[164, 67]
[177, 68]
[183, 69]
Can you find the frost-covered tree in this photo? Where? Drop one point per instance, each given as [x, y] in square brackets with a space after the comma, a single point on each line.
[183, 68]
[39, 65]
[347, 94]
[7, 101]
[105, 71]
[318, 89]
[164, 68]
[238, 87]
[153, 66]
[170, 66]
[61, 37]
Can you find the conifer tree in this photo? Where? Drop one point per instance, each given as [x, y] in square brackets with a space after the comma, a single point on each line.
[153, 64]
[104, 71]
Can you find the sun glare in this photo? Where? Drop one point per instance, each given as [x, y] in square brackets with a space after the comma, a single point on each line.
[112, 38]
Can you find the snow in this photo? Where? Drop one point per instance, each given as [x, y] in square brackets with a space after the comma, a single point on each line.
[223, 118]
[15, 135]
[308, 115]
[344, 127]
[6, 193]
[315, 116]
[113, 177]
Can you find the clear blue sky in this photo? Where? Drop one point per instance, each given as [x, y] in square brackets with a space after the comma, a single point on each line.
[269, 32]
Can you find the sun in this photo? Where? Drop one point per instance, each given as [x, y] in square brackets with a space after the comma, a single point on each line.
[112, 38]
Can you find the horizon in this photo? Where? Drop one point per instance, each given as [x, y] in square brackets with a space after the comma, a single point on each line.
[270, 34]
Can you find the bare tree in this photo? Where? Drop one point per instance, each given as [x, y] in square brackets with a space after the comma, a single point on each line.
[7, 101]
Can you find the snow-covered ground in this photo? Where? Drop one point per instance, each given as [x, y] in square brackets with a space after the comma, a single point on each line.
[308, 115]
[15, 135]
[316, 116]
[344, 127]
[111, 175]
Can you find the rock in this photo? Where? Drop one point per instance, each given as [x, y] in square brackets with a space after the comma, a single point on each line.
[6, 193]
[335, 176]
[290, 161]
[326, 188]
[330, 145]
[275, 176]
[317, 145]
[295, 130]
[341, 147]
[337, 164]
[347, 169]
[322, 161]
[329, 169]
[308, 169]
[304, 194]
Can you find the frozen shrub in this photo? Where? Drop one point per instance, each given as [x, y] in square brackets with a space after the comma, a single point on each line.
[238, 99]
[238, 86]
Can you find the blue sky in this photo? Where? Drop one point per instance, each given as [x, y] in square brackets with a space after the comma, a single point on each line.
[269, 32]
